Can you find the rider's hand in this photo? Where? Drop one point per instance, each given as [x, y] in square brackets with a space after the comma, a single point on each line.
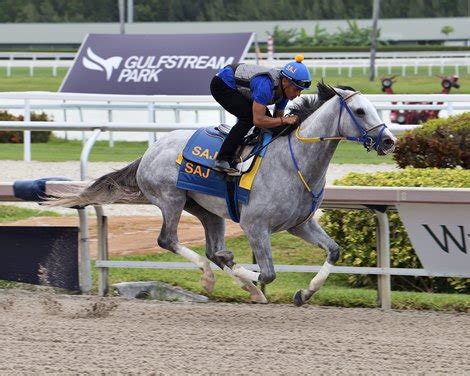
[290, 120]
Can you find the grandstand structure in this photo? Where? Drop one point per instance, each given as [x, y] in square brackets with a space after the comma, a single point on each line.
[54, 36]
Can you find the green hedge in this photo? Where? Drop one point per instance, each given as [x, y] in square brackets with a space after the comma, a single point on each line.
[443, 143]
[355, 230]
[16, 137]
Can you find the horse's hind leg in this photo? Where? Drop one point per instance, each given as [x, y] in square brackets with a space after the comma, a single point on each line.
[311, 232]
[214, 228]
[172, 209]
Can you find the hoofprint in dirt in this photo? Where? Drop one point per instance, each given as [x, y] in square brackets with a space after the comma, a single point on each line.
[46, 333]
[19, 170]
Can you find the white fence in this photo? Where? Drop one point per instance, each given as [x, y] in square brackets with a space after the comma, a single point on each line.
[151, 106]
[377, 199]
[434, 61]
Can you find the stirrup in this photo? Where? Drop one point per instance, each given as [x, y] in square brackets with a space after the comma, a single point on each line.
[220, 166]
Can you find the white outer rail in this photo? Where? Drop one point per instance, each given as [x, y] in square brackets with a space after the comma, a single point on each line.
[276, 55]
[314, 60]
[450, 103]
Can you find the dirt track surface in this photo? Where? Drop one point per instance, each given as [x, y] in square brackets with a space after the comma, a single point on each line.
[45, 333]
[133, 235]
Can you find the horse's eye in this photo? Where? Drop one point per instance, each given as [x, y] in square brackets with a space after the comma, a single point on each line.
[360, 112]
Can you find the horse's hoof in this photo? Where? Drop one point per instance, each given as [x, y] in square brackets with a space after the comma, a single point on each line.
[298, 300]
[208, 282]
[259, 300]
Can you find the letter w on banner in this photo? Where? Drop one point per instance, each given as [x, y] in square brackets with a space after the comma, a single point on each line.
[440, 235]
[179, 64]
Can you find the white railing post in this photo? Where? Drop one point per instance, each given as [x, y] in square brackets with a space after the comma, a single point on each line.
[110, 120]
[80, 116]
[65, 119]
[450, 108]
[54, 67]
[151, 119]
[177, 114]
[102, 235]
[27, 134]
[31, 66]
[84, 156]
[383, 259]
[9, 68]
[84, 265]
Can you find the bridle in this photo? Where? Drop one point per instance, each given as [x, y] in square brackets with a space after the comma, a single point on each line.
[368, 141]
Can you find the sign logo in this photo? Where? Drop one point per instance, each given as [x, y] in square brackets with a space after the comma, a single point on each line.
[94, 62]
[440, 235]
[459, 241]
[152, 64]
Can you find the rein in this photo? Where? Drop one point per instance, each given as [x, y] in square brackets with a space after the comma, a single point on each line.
[368, 141]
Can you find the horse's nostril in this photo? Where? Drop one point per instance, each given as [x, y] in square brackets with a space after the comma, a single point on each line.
[388, 142]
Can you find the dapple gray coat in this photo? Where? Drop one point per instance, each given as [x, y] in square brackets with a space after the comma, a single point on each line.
[279, 200]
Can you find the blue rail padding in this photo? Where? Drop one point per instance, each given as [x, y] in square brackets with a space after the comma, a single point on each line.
[33, 190]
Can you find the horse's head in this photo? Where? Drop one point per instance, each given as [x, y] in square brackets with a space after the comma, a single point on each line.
[355, 117]
[358, 120]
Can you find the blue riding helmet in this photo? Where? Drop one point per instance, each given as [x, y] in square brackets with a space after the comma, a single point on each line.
[297, 73]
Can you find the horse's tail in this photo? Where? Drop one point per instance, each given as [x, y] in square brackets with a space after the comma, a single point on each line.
[120, 185]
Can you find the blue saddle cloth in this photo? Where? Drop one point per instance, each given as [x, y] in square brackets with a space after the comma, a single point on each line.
[195, 172]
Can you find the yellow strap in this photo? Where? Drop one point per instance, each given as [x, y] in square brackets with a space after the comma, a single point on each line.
[247, 179]
[314, 139]
[179, 160]
[305, 139]
[302, 179]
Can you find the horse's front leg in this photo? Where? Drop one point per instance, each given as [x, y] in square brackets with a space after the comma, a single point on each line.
[214, 228]
[260, 243]
[311, 232]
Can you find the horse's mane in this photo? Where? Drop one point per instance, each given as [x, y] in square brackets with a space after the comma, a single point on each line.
[308, 104]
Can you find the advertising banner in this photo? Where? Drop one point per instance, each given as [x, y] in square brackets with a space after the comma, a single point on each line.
[40, 255]
[440, 235]
[179, 64]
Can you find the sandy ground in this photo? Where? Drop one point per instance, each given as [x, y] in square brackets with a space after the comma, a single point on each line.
[45, 333]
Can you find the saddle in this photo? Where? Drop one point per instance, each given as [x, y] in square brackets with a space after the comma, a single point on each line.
[198, 157]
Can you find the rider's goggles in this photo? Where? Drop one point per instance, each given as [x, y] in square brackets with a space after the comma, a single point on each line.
[301, 84]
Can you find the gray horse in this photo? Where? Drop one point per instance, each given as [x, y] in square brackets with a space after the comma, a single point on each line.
[287, 189]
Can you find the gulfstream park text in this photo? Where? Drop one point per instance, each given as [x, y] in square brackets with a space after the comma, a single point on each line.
[147, 68]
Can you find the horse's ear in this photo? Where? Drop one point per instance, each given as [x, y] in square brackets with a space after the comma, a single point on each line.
[334, 90]
[325, 91]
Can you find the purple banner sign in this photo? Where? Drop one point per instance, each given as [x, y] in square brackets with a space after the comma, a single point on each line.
[177, 64]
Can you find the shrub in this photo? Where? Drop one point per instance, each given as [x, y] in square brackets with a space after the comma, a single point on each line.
[16, 137]
[443, 143]
[355, 230]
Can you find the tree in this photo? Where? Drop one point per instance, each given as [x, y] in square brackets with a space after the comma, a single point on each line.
[447, 29]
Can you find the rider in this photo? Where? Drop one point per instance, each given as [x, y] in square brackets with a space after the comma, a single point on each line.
[245, 90]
